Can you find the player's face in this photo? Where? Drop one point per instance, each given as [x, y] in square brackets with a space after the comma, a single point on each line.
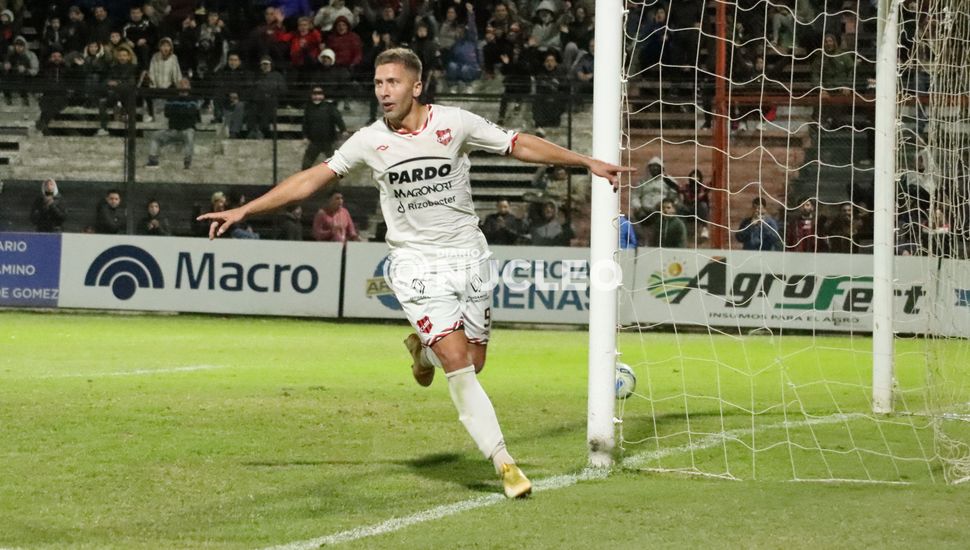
[396, 89]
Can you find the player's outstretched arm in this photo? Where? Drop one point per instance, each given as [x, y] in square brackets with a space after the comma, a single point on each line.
[295, 188]
[530, 148]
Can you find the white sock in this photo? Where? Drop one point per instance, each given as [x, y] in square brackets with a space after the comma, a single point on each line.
[477, 414]
[429, 358]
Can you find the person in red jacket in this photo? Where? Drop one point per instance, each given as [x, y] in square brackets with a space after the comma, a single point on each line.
[346, 45]
[305, 47]
[333, 223]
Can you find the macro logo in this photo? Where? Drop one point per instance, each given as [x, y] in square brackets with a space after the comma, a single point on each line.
[125, 268]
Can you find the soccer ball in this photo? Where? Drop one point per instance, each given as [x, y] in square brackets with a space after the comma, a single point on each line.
[626, 381]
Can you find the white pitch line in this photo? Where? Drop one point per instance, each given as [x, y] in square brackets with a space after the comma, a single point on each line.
[139, 372]
[545, 484]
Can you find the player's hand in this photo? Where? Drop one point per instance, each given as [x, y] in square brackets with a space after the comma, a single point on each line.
[609, 171]
[221, 221]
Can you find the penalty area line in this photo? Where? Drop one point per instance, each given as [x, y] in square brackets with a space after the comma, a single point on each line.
[138, 372]
[438, 512]
[545, 484]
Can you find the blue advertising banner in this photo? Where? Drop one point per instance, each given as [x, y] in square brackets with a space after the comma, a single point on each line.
[30, 269]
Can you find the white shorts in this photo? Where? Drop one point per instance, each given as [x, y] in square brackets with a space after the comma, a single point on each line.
[438, 303]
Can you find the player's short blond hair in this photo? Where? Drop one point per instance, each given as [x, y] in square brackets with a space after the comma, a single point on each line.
[403, 56]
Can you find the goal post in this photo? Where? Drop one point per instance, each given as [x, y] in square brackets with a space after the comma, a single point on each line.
[884, 210]
[604, 233]
[812, 323]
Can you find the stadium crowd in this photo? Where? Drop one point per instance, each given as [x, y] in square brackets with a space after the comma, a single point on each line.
[240, 59]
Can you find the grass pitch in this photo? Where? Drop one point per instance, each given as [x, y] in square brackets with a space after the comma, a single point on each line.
[189, 432]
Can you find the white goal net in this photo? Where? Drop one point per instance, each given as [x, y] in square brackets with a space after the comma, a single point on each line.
[749, 314]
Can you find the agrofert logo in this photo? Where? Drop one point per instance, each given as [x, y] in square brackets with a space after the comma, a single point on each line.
[125, 268]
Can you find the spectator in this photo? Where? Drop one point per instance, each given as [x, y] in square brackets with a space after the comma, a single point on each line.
[110, 217]
[261, 108]
[389, 22]
[581, 72]
[235, 116]
[100, 30]
[291, 223]
[647, 195]
[322, 125]
[548, 231]
[578, 29]
[449, 30]
[334, 77]
[696, 202]
[504, 227]
[939, 238]
[672, 232]
[550, 100]
[628, 235]
[75, 31]
[93, 66]
[501, 19]
[20, 66]
[182, 113]
[546, 28]
[186, 47]
[53, 37]
[517, 78]
[154, 223]
[333, 222]
[164, 72]
[219, 203]
[304, 49]
[233, 78]
[9, 29]
[212, 45]
[425, 46]
[802, 234]
[554, 183]
[121, 78]
[463, 65]
[141, 33]
[833, 70]
[48, 213]
[346, 45]
[842, 233]
[759, 231]
[327, 15]
[270, 39]
[652, 38]
[55, 90]
[495, 46]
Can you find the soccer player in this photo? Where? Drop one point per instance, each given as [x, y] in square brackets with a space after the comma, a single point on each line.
[438, 266]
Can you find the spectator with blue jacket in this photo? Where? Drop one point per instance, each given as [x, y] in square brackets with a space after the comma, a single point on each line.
[759, 231]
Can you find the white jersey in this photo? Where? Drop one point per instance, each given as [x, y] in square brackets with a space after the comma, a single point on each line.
[424, 178]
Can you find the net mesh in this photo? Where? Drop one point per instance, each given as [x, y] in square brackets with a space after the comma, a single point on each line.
[749, 314]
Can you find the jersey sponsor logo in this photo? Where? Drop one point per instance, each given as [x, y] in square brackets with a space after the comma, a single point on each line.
[382, 148]
[444, 136]
[423, 190]
[424, 324]
[425, 171]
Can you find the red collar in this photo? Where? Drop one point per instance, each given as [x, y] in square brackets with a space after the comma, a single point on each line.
[416, 132]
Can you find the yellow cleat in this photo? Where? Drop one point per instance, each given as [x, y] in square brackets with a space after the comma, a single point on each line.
[515, 482]
[422, 372]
